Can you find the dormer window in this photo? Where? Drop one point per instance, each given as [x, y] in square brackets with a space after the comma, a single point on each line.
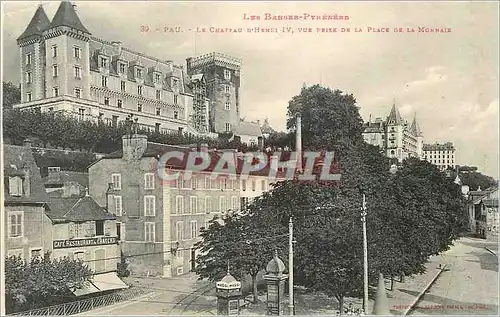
[157, 78]
[227, 74]
[175, 82]
[138, 73]
[16, 186]
[121, 68]
[103, 62]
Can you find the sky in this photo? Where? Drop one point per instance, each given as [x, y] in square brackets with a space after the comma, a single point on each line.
[449, 80]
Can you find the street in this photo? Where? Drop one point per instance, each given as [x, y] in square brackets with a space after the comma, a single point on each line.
[470, 287]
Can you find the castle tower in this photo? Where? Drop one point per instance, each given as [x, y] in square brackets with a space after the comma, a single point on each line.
[222, 75]
[32, 56]
[394, 134]
[67, 54]
[415, 130]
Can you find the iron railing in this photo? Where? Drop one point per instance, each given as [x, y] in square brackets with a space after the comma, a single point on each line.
[81, 306]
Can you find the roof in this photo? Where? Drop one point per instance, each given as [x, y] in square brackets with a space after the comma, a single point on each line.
[266, 128]
[77, 209]
[249, 128]
[394, 116]
[438, 147]
[374, 127]
[415, 128]
[275, 266]
[19, 161]
[67, 177]
[39, 22]
[66, 16]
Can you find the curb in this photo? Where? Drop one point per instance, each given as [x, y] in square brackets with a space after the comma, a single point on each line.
[417, 299]
[490, 251]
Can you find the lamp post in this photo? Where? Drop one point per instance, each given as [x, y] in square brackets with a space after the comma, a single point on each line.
[365, 258]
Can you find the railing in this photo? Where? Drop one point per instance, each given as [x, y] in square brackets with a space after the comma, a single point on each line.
[77, 307]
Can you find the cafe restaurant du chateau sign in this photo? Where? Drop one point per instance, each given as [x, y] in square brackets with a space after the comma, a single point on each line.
[73, 243]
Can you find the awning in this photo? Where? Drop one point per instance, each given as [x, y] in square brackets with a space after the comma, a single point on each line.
[108, 281]
[87, 288]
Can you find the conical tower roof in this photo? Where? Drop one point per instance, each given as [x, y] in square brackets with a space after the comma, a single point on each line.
[39, 22]
[66, 16]
[394, 117]
[415, 128]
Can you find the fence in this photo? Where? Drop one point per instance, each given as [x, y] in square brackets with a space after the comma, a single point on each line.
[86, 304]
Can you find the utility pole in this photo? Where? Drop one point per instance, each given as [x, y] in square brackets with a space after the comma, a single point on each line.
[290, 266]
[365, 258]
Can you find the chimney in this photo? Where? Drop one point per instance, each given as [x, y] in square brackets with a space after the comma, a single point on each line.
[118, 46]
[27, 143]
[298, 142]
[109, 197]
[134, 146]
[260, 143]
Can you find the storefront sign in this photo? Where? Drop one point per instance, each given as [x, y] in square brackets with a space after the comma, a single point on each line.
[75, 243]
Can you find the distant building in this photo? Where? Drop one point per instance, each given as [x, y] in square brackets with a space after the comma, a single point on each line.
[483, 212]
[394, 136]
[249, 133]
[441, 155]
[266, 129]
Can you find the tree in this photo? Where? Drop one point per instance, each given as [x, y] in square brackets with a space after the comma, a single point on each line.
[42, 281]
[475, 179]
[11, 95]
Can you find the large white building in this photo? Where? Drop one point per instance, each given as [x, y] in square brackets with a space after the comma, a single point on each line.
[396, 138]
[441, 155]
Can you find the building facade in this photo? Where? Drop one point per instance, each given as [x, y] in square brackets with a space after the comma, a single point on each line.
[483, 213]
[65, 68]
[441, 155]
[395, 137]
[222, 75]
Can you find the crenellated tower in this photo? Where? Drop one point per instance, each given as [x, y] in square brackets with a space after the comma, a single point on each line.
[222, 75]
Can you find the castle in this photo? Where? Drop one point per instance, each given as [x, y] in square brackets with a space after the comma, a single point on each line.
[396, 138]
[64, 68]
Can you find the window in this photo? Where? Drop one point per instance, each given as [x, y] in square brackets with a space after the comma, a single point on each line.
[28, 96]
[139, 90]
[54, 51]
[175, 99]
[158, 94]
[104, 81]
[119, 103]
[119, 231]
[28, 58]
[227, 74]
[228, 105]
[157, 78]
[244, 184]
[51, 109]
[77, 52]
[78, 92]
[174, 82]
[157, 127]
[55, 70]
[186, 183]
[176, 114]
[116, 179]
[78, 72]
[149, 231]
[228, 127]
[123, 86]
[180, 270]
[139, 107]
[118, 205]
[201, 206]
[158, 111]
[36, 253]
[227, 89]
[16, 223]
[208, 205]
[103, 62]
[121, 68]
[55, 91]
[235, 203]
[222, 204]
[81, 114]
[149, 181]
[28, 77]
[149, 205]
[15, 186]
[106, 101]
[194, 181]
[208, 182]
[179, 204]
[179, 231]
[193, 204]
[138, 73]
[194, 229]
[254, 185]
